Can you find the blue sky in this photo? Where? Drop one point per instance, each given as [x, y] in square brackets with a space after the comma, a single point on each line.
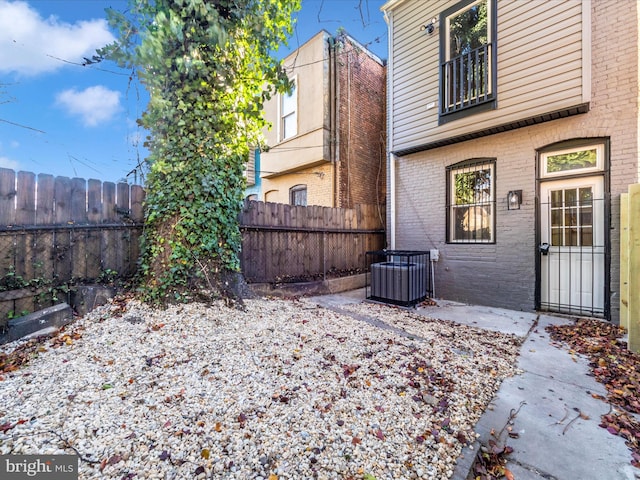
[62, 118]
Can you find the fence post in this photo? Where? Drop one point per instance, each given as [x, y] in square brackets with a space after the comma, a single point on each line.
[634, 267]
[324, 256]
[624, 261]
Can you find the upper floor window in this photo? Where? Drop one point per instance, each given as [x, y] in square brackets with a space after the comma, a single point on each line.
[468, 57]
[289, 113]
[298, 195]
[471, 201]
[251, 173]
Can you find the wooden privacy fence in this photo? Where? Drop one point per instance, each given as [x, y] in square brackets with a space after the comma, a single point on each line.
[58, 230]
[286, 243]
[630, 265]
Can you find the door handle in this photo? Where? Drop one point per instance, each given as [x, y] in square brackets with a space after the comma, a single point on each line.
[543, 248]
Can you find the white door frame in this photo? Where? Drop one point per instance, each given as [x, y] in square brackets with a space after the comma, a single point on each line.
[584, 264]
[572, 276]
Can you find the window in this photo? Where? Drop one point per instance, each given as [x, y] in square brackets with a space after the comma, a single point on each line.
[471, 201]
[572, 217]
[289, 116]
[298, 195]
[467, 57]
[572, 161]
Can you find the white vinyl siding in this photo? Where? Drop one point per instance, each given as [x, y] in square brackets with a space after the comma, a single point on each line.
[540, 67]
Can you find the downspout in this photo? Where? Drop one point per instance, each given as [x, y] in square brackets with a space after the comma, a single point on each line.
[333, 119]
[392, 158]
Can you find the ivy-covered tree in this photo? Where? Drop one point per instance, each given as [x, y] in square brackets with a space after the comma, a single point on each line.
[208, 66]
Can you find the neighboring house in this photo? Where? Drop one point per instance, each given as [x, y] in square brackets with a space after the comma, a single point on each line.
[252, 174]
[326, 144]
[513, 130]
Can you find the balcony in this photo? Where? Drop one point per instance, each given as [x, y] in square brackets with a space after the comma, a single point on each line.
[466, 80]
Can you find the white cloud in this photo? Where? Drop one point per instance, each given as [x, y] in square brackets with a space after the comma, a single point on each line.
[27, 39]
[94, 105]
[6, 162]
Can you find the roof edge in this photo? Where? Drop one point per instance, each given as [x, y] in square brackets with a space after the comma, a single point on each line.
[526, 122]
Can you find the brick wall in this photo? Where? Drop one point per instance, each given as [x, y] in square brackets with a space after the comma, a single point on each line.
[361, 126]
[503, 274]
[318, 179]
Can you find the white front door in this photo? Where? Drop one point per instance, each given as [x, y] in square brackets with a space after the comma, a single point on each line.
[572, 246]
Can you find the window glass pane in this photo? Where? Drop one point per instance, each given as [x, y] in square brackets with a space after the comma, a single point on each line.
[556, 218]
[586, 239]
[586, 216]
[570, 217]
[289, 102]
[299, 195]
[556, 236]
[556, 198]
[571, 238]
[572, 161]
[289, 126]
[459, 215]
[586, 196]
[570, 197]
[472, 187]
[472, 223]
[468, 30]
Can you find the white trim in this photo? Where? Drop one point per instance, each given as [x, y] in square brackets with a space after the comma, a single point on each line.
[388, 17]
[586, 51]
[390, 5]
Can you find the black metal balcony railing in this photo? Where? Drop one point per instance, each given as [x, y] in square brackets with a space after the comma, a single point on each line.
[466, 80]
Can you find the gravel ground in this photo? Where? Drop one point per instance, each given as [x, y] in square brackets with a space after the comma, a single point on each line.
[283, 390]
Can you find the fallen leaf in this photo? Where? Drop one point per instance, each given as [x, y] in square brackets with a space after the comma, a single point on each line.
[508, 475]
[205, 453]
[6, 427]
[380, 434]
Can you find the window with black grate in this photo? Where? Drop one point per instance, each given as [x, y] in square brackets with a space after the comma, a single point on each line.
[471, 201]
